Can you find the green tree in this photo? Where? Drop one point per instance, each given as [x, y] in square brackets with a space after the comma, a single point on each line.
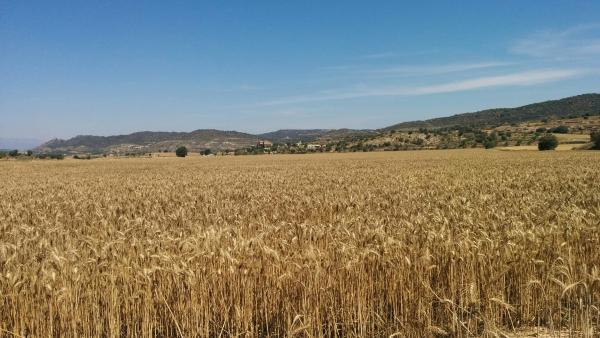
[181, 151]
[54, 156]
[205, 152]
[595, 137]
[13, 153]
[490, 143]
[547, 142]
[560, 130]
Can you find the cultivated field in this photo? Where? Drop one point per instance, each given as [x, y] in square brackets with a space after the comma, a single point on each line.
[411, 244]
[561, 147]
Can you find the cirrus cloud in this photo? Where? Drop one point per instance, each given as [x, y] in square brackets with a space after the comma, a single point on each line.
[525, 78]
[578, 41]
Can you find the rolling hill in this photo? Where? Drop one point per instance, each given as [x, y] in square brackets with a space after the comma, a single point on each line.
[309, 135]
[149, 141]
[570, 106]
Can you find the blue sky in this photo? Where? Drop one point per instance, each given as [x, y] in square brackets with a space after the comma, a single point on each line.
[110, 67]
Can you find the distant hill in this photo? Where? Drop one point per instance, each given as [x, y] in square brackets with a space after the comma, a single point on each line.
[150, 141]
[575, 105]
[294, 135]
[308, 135]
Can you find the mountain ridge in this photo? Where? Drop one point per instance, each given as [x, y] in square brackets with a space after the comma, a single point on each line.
[307, 135]
[151, 141]
[580, 104]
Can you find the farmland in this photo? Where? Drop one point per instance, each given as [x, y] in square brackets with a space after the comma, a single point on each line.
[429, 243]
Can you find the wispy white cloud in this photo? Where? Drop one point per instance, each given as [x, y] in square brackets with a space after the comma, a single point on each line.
[421, 70]
[578, 41]
[248, 87]
[379, 55]
[525, 78]
[398, 54]
[413, 70]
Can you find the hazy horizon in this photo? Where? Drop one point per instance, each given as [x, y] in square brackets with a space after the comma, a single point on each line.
[116, 68]
[27, 143]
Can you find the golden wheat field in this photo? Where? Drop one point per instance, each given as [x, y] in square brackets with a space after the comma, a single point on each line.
[408, 244]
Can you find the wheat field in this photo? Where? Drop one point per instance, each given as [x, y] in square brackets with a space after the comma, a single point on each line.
[405, 244]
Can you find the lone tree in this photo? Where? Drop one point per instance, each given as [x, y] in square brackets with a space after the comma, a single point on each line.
[490, 143]
[547, 142]
[181, 152]
[595, 136]
[560, 130]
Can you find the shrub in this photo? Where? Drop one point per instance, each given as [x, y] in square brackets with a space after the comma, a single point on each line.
[13, 153]
[595, 137]
[540, 130]
[490, 143]
[547, 142]
[86, 157]
[480, 137]
[181, 152]
[560, 130]
[205, 152]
